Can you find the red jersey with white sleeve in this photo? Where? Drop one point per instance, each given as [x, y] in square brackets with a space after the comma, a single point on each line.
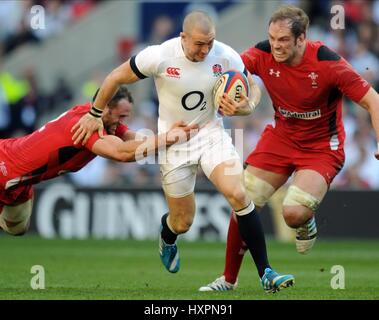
[307, 98]
[44, 154]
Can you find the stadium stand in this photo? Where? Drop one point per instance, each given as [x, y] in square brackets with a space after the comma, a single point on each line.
[44, 72]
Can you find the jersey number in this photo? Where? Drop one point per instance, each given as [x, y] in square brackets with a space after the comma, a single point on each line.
[200, 102]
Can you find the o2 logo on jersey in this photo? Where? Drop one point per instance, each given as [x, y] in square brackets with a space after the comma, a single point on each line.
[173, 72]
[193, 100]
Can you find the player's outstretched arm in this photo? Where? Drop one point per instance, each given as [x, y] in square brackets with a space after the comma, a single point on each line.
[370, 102]
[229, 107]
[114, 148]
[91, 121]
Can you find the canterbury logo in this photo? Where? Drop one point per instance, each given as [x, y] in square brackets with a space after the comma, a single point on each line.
[173, 72]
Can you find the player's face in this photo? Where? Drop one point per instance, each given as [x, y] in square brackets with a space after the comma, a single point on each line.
[197, 45]
[284, 46]
[116, 115]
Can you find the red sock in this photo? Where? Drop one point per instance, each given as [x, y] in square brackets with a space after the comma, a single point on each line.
[235, 250]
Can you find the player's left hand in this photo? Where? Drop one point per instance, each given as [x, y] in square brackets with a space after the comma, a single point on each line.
[230, 107]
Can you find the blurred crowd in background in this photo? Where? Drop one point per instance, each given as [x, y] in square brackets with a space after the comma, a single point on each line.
[23, 104]
[21, 101]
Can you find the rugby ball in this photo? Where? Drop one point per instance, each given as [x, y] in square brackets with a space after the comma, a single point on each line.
[232, 82]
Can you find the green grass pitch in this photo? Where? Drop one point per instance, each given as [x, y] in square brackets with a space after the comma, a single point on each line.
[128, 270]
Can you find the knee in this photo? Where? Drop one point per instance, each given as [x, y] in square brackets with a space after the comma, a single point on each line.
[15, 220]
[17, 228]
[236, 197]
[296, 216]
[298, 206]
[258, 190]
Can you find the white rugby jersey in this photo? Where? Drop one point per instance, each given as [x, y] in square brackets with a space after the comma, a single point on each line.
[184, 87]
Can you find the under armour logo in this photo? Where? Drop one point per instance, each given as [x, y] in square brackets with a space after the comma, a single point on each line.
[173, 72]
[314, 77]
[276, 73]
[3, 168]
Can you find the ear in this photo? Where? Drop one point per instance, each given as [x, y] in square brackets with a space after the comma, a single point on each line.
[301, 39]
[183, 35]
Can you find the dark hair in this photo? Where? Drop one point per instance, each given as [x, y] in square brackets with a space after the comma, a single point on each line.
[121, 93]
[299, 21]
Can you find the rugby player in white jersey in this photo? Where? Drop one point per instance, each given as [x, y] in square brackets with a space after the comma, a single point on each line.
[185, 70]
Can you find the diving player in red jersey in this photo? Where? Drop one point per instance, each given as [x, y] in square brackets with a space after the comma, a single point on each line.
[50, 151]
[306, 82]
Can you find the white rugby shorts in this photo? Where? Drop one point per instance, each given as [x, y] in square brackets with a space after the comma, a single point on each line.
[179, 163]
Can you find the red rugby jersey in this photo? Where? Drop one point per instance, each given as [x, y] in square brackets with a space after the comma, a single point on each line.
[307, 98]
[47, 152]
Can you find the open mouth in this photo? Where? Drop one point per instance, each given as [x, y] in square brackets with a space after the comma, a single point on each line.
[112, 128]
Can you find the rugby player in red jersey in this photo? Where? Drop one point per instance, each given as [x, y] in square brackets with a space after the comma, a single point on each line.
[50, 151]
[306, 82]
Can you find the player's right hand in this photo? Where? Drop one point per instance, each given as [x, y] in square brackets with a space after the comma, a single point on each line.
[229, 107]
[84, 128]
[181, 132]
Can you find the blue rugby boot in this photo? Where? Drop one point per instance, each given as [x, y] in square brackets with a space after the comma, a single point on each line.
[273, 281]
[169, 256]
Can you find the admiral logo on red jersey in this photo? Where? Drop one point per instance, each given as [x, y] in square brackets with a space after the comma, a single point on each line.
[173, 72]
[309, 115]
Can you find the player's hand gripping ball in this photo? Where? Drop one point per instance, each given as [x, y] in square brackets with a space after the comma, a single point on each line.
[232, 82]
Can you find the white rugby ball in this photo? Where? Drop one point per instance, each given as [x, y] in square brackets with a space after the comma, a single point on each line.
[232, 82]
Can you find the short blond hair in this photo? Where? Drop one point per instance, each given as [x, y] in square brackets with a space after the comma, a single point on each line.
[198, 20]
